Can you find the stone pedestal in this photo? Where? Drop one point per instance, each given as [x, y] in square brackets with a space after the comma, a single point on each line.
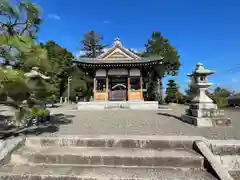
[206, 117]
[202, 111]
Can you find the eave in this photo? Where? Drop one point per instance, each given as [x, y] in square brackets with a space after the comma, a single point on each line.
[96, 62]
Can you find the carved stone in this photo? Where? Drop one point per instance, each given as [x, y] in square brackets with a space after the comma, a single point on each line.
[202, 111]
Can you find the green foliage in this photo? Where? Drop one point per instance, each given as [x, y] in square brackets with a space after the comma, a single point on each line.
[59, 57]
[61, 63]
[172, 92]
[27, 52]
[24, 113]
[20, 22]
[62, 69]
[180, 98]
[20, 52]
[190, 92]
[19, 18]
[221, 92]
[12, 84]
[220, 96]
[80, 84]
[20, 117]
[91, 44]
[221, 101]
[160, 46]
[36, 111]
[52, 97]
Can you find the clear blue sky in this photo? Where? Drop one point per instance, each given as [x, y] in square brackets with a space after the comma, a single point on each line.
[206, 31]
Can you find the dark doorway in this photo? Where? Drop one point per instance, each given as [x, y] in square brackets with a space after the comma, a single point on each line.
[117, 88]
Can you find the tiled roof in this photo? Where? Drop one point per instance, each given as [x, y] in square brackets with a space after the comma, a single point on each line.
[117, 60]
[118, 56]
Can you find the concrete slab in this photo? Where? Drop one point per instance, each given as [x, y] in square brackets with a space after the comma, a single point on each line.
[67, 172]
[102, 105]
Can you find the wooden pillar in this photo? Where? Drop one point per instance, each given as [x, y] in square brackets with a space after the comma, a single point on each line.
[141, 87]
[106, 88]
[94, 88]
[129, 87]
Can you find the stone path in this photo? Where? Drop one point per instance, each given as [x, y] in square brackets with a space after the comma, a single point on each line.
[140, 123]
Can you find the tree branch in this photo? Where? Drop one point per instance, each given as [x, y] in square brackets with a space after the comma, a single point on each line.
[25, 28]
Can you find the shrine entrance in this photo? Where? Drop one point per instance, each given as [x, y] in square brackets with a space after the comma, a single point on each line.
[118, 89]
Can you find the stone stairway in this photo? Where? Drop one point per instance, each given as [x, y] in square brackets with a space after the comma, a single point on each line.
[105, 157]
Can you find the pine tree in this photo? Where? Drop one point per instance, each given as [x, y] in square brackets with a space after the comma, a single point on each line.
[191, 92]
[171, 91]
[158, 45]
[91, 45]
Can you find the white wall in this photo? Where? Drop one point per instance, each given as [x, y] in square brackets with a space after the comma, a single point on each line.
[101, 72]
[134, 72]
[117, 71]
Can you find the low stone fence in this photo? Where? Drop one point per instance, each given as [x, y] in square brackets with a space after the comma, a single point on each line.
[227, 152]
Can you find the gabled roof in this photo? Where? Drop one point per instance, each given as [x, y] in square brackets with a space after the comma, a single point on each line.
[119, 56]
[118, 51]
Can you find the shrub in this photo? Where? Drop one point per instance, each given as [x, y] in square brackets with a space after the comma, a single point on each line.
[36, 111]
[221, 102]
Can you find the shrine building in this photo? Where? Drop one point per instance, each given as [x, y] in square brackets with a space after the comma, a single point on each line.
[119, 74]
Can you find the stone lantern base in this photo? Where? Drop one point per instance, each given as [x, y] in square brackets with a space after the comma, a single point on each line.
[205, 115]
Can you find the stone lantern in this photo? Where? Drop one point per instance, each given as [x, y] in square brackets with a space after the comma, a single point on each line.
[202, 110]
[34, 73]
[34, 79]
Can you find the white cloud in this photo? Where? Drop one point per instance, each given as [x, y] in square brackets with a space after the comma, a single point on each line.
[79, 53]
[105, 49]
[54, 16]
[107, 22]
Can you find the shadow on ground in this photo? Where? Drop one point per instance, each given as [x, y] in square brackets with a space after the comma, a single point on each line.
[52, 126]
[169, 115]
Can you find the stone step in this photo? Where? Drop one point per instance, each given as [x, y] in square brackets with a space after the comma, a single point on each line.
[113, 156]
[152, 142]
[235, 174]
[66, 172]
[116, 106]
[100, 105]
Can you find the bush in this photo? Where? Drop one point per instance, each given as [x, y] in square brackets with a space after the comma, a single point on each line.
[221, 102]
[36, 111]
[20, 118]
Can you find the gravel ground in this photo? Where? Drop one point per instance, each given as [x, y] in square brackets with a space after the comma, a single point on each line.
[159, 122]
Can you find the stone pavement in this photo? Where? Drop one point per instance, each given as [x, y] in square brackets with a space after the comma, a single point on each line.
[138, 122]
